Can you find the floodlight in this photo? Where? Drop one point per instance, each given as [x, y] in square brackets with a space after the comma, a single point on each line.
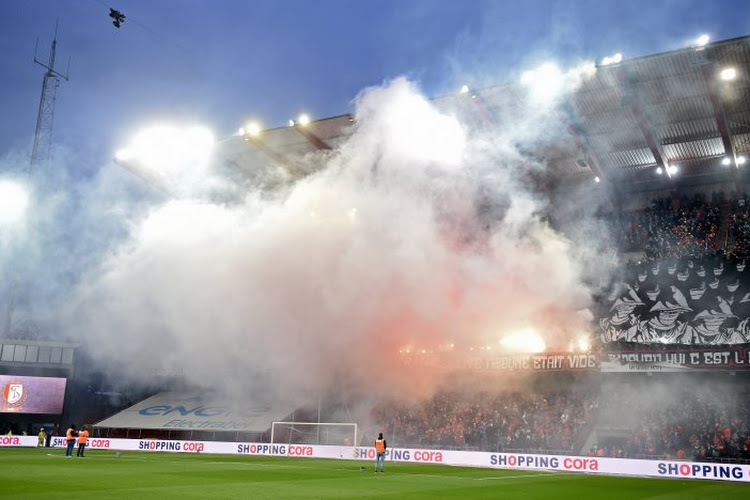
[303, 120]
[545, 81]
[659, 171]
[726, 161]
[291, 123]
[240, 131]
[728, 74]
[613, 59]
[597, 179]
[741, 160]
[702, 40]
[672, 169]
[464, 89]
[14, 199]
[253, 129]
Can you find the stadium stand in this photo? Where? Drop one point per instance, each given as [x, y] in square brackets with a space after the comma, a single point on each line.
[669, 365]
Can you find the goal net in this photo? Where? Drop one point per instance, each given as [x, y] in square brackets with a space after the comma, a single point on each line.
[337, 434]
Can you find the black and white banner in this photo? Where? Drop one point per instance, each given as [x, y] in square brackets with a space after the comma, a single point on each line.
[686, 302]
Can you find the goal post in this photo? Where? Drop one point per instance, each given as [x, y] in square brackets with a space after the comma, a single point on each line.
[326, 433]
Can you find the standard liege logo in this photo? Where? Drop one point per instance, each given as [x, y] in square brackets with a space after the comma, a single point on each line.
[14, 395]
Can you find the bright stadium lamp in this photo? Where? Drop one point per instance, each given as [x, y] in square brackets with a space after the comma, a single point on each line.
[545, 81]
[253, 129]
[464, 89]
[741, 160]
[613, 59]
[303, 120]
[702, 40]
[14, 199]
[728, 74]
[659, 171]
[672, 169]
[726, 161]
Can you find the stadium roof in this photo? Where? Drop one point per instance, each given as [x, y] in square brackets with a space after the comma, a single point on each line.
[673, 109]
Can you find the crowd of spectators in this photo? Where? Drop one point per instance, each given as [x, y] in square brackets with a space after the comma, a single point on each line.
[708, 425]
[695, 226]
[504, 421]
[673, 228]
[739, 226]
[656, 420]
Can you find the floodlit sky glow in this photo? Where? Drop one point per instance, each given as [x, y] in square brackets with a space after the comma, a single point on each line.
[14, 200]
[168, 148]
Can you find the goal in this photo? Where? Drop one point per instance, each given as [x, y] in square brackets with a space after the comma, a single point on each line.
[337, 434]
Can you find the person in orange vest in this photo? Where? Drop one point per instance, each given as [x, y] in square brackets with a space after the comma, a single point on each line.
[380, 447]
[83, 438]
[70, 439]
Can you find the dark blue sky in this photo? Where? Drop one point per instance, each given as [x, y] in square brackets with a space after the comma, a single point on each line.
[222, 62]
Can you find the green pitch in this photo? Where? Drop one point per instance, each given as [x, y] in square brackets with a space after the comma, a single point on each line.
[46, 473]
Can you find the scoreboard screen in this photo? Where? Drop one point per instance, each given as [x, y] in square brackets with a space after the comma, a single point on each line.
[21, 394]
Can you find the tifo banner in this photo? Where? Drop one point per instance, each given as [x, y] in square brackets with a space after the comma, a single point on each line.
[562, 463]
[534, 362]
[688, 302]
[664, 360]
[682, 360]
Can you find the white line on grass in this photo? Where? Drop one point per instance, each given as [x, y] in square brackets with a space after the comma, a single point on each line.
[251, 465]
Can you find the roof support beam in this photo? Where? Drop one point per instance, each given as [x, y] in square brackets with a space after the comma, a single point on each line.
[273, 155]
[576, 131]
[709, 76]
[481, 105]
[313, 139]
[632, 97]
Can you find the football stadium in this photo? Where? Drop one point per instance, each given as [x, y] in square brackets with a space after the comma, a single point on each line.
[536, 289]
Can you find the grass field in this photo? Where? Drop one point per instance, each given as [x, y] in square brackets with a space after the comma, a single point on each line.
[46, 473]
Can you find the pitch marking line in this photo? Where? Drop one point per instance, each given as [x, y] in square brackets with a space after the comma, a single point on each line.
[244, 465]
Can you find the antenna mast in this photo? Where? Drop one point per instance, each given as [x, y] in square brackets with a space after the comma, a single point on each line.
[46, 115]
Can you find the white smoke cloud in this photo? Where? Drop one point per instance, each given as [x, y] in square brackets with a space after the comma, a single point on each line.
[417, 233]
[379, 249]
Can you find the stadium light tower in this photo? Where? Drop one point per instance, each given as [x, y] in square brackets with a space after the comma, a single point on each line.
[46, 115]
